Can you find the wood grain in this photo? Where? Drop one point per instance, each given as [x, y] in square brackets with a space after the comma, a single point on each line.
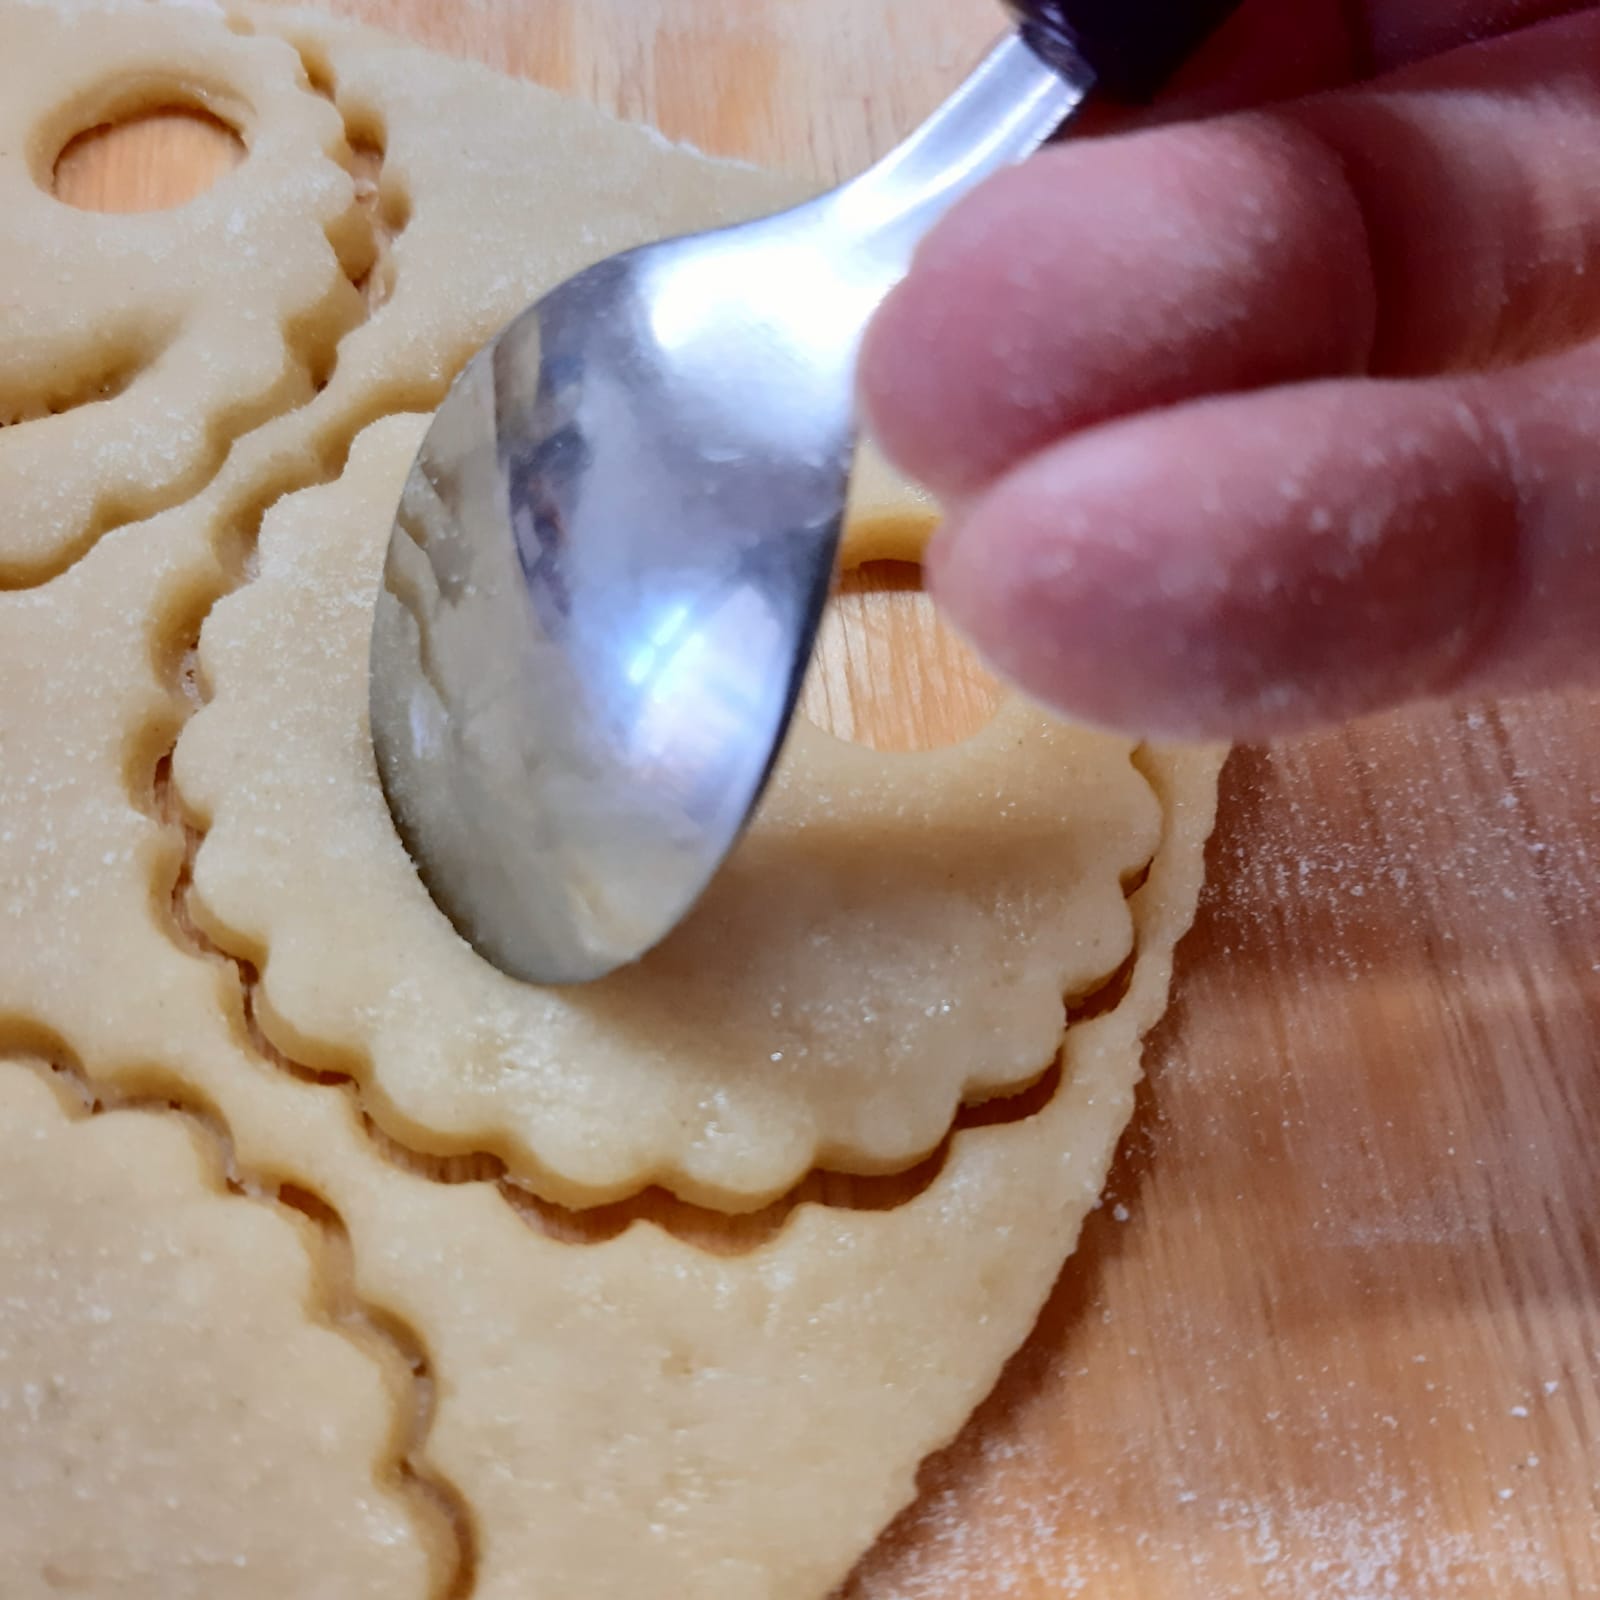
[1336, 1330]
[151, 162]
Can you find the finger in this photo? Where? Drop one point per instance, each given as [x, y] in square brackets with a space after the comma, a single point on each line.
[1252, 566]
[1265, 51]
[1268, 51]
[1447, 219]
[1393, 33]
[1106, 278]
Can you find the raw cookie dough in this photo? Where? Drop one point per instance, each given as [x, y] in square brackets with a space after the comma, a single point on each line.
[138, 347]
[666, 1075]
[632, 1415]
[168, 1426]
[895, 934]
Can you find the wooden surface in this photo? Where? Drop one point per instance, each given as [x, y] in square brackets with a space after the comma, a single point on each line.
[1336, 1330]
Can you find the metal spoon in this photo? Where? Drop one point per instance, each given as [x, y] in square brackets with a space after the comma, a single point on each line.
[613, 551]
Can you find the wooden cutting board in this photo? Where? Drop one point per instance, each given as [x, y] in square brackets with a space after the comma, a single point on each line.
[1336, 1330]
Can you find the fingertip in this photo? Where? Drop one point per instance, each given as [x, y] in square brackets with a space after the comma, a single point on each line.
[926, 372]
[1106, 277]
[1057, 580]
[1239, 569]
[890, 378]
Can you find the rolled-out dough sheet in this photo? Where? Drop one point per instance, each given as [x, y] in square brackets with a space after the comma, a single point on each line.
[636, 1413]
[168, 1424]
[138, 347]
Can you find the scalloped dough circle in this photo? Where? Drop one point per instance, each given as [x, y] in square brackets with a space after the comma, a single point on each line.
[139, 345]
[170, 1426]
[896, 935]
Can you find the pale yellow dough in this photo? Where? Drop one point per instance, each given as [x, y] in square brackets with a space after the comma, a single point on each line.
[638, 1416]
[896, 933]
[171, 1425]
[154, 340]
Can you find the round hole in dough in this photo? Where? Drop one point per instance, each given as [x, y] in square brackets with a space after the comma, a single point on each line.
[178, 152]
[889, 672]
[140, 347]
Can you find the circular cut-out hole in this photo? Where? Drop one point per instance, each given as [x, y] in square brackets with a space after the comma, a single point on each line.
[151, 162]
[889, 672]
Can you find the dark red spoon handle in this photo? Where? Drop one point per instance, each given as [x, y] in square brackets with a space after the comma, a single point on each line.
[1133, 46]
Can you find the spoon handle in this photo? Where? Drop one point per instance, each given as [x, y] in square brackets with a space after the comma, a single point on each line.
[1016, 100]
[1130, 46]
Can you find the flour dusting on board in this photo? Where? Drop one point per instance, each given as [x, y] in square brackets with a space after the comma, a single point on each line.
[1346, 1344]
[1382, 1540]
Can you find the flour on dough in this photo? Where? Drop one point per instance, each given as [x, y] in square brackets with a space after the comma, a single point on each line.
[156, 1404]
[138, 347]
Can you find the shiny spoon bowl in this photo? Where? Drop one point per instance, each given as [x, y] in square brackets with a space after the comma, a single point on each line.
[613, 551]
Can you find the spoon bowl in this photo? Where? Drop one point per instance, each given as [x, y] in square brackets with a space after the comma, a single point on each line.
[612, 553]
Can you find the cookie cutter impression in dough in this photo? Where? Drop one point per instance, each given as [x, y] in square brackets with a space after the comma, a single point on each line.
[612, 554]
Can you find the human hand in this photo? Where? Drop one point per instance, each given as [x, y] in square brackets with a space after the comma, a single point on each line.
[1258, 422]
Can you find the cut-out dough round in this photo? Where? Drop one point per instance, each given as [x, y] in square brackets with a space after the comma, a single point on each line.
[895, 935]
[168, 1427]
[138, 346]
